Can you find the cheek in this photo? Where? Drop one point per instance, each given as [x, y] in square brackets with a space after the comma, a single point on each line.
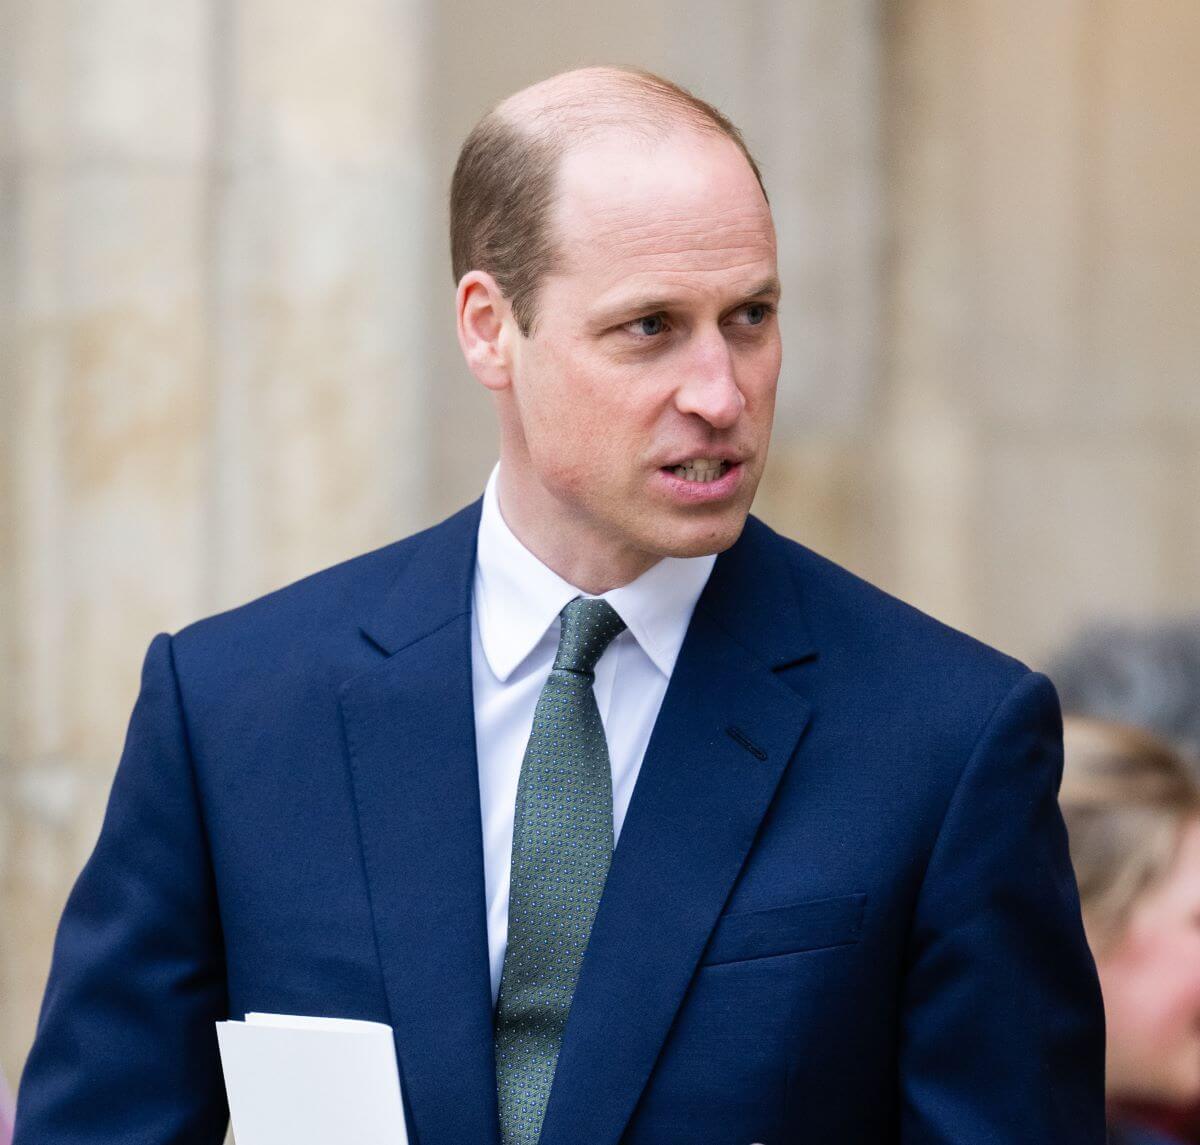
[1155, 991]
[577, 421]
[758, 379]
[548, 400]
[579, 389]
[761, 404]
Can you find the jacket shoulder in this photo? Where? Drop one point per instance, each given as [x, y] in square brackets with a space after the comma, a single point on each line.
[310, 618]
[860, 628]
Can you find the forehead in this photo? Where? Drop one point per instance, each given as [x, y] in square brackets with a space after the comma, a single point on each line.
[686, 206]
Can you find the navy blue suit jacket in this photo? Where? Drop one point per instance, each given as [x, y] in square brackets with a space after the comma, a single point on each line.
[841, 909]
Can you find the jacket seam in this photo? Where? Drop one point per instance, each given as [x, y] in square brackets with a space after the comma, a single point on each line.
[201, 817]
[968, 767]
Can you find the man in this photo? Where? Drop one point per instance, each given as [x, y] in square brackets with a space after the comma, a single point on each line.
[839, 907]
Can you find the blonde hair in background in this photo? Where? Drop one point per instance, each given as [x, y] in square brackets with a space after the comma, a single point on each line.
[1126, 796]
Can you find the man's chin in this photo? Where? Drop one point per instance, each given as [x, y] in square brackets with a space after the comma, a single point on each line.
[702, 539]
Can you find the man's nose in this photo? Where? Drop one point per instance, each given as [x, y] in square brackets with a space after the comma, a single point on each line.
[709, 388]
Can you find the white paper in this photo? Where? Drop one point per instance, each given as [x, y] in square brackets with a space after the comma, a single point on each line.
[296, 1080]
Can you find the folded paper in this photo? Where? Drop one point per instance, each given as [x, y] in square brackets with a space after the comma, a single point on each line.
[295, 1080]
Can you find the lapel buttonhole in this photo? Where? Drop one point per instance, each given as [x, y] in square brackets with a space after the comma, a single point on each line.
[742, 740]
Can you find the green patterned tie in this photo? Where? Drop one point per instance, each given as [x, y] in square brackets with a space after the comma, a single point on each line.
[562, 847]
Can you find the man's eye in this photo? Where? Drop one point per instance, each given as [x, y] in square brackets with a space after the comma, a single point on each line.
[757, 313]
[648, 327]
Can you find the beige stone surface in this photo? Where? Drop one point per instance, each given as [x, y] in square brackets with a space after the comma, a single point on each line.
[319, 352]
[138, 76]
[1023, 183]
[1143, 272]
[326, 84]
[109, 359]
[319, 371]
[1183, 535]
[923, 444]
[119, 81]
[35, 55]
[1069, 530]
[1042, 335]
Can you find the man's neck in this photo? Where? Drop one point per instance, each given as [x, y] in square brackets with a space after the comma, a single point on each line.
[575, 554]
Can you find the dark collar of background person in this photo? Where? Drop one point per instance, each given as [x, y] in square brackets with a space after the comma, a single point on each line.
[1128, 1133]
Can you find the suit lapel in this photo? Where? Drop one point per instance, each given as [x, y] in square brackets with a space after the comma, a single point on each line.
[410, 734]
[727, 730]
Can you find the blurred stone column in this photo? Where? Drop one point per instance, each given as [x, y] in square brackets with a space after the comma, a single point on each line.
[1042, 422]
[106, 411]
[212, 222]
[320, 306]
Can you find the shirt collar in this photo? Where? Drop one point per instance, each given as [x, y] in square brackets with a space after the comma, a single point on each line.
[517, 597]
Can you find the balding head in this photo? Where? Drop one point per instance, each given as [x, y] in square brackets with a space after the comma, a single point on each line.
[573, 104]
[503, 192]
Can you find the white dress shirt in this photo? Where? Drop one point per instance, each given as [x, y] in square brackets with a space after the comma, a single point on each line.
[514, 635]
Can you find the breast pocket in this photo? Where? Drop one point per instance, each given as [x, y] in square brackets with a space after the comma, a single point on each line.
[812, 925]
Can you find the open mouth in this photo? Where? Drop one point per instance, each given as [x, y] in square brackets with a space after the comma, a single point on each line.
[701, 469]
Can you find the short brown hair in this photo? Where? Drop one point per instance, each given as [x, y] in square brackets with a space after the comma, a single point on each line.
[504, 182]
[1126, 796]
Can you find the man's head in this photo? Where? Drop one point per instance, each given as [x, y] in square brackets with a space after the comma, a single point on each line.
[617, 288]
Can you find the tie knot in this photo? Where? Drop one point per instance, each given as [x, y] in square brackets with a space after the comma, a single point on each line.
[588, 627]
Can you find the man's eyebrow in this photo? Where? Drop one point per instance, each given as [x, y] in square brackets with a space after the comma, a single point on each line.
[768, 289]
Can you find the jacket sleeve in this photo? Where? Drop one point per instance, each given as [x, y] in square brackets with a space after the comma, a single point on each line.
[1003, 1028]
[125, 1050]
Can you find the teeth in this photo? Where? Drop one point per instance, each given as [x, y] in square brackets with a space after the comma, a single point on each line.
[700, 469]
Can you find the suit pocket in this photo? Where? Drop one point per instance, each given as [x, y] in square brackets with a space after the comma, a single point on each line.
[786, 929]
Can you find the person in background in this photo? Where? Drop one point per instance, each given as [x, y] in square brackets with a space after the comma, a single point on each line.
[1147, 675]
[1132, 808]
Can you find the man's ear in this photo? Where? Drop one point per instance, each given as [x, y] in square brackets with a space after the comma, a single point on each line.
[485, 327]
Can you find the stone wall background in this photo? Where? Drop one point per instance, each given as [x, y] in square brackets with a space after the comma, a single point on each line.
[226, 333]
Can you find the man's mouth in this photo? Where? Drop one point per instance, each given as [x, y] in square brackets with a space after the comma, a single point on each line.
[702, 469]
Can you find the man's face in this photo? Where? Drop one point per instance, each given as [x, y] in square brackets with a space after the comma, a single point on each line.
[645, 393]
